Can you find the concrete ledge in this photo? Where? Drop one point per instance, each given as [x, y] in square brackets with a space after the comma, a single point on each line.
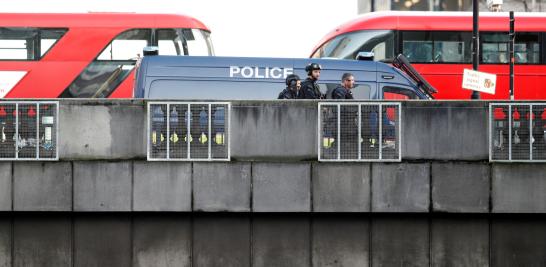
[281, 187]
[460, 187]
[341, 187]
[102, 186]
[519, 188]
[162, 186]
[42, 186]
[5, 187]
[221, 187]
[400, 187]
[445, 130]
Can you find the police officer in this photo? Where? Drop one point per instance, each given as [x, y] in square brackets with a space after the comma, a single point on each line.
[293, 85]
[309, 88]
[343, 91]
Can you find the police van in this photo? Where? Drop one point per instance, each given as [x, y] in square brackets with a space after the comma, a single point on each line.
[241, 78]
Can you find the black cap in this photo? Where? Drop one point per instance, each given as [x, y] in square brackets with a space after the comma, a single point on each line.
[311, 67]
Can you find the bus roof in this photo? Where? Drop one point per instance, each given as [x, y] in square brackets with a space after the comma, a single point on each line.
[431, 21]
[99, 19]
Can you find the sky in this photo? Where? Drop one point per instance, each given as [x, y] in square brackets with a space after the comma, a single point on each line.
[253, 28]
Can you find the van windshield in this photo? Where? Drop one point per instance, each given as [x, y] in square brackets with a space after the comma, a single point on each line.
[347, 46]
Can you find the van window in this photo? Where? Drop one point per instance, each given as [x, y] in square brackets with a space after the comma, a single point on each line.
[214, 90]
[397, 93]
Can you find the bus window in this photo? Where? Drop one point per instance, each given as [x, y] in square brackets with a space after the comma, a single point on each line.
[495, 47]
[199, 43]
[397, 93]
[27, 43]
[111, 67]
[171, 42]
[440, 46]
[348, 45]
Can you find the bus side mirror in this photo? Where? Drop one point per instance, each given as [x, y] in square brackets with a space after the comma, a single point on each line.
[368, 56]
[150, 51]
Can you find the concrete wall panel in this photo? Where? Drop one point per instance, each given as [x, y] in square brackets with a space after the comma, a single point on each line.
[280, 241]
[221, 187]
[445, 130]
[341, 187]
[104, 130]
[400, 187]
[102, 186]
[162, 186]
[102, 241]
[264, 130]
[341, 241]
[518, 242]
[280, 187]
[5, 241]
[162, 241]
[460, 187]
[397, 242]
[5, 187]
[42, 186]
[42, 241]
[519, 188]
[460, 242]
[221, 241]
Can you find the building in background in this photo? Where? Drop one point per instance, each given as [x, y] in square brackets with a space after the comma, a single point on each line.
[365, 6]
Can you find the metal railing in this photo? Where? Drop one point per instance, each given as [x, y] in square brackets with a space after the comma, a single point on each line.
[517, 132]
[29, 130]
[358, 131]
[189, 131]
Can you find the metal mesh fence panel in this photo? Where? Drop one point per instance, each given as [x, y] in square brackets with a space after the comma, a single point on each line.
[188, 131]
[517, 132]
[28, 130]
[359, 131]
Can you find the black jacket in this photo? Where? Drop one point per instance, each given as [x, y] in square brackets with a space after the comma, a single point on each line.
[288, 94]
[310, 90]
[341, 93]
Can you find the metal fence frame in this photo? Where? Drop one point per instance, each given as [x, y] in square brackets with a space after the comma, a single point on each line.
[491, 129]
[189, 158]
[380, 130]
[56, 123]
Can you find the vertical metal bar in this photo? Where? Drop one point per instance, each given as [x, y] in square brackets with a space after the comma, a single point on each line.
[37, 130]
[16, 130]
[168, 130]
[210, 126]
[531, 114]
[228, 129]
[359, 131]
[380, 122]
[188, 134]
[399, 137]
[338, 131]
[319, 130]
[148, 148]
[57, 132]
[510, 132]
[512, 38]
[475, 41]
[491, 134]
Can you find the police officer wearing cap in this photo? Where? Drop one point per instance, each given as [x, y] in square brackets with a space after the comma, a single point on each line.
[292, 91]
[343, 91]
[309, 88]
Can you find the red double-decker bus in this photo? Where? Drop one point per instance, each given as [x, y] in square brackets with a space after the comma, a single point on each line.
[439, 45]
[88, 55]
